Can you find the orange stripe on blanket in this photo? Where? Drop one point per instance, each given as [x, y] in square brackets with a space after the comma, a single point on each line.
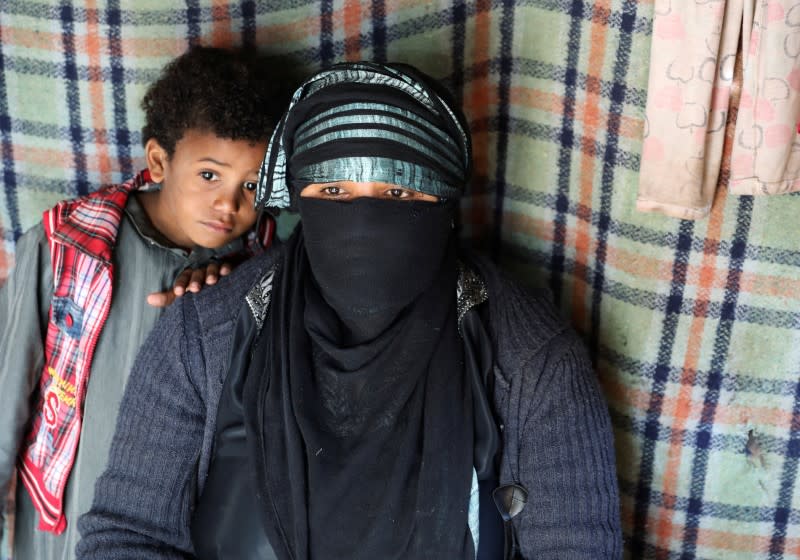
[739, 543]
[221, 33]
[60, 159]
[15, 37]
[96, 88]
[637, 264]
[145, 47]
[283, 33]
[533, 98]
[685, 406]
[591, 123]
[714, 540]
[625, 397]
[694, 341]
[352, 30]
[45, 157]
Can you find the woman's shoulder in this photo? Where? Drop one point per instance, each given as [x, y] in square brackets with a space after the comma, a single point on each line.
[514, 302]
[221, 303]
[520, 320]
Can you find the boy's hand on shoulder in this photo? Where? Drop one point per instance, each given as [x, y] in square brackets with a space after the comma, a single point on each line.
[192, 280]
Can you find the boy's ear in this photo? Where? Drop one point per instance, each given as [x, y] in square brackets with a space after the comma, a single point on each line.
[156, 158]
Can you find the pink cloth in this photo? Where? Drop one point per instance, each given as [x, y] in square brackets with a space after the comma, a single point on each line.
[691, 72]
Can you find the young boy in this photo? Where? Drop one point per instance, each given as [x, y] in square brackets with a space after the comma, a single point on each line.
[73, 312]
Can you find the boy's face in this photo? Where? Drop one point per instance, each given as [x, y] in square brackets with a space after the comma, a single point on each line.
[208, 188]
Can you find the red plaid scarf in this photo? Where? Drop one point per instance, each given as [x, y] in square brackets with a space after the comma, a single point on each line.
[82, 233]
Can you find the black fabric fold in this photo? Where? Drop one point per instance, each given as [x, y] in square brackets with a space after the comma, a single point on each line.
[227, 522]
[363, 453]
[369, 259]
[479, 370]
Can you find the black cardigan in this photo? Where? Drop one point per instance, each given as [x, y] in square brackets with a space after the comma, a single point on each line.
[556, 431]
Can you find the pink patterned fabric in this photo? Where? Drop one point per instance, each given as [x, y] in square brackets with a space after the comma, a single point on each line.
[691, 70]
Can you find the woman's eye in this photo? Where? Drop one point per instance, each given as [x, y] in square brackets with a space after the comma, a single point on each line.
[250, 186]
[398, 193]
[208, 175]
[332, 191]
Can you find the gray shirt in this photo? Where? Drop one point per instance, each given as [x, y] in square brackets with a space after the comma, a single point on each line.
[143, 263]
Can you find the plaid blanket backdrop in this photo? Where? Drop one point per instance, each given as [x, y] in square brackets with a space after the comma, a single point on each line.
[694, 326]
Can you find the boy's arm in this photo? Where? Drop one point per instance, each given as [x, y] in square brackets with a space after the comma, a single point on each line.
[144, 500]
[24, 304]
[567, 462]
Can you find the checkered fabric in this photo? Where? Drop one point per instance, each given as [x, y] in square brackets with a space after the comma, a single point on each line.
[694, 326]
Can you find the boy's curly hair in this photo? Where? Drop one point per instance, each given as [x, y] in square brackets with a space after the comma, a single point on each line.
[224, 92]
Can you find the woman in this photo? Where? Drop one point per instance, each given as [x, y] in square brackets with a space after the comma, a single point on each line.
[385, 395]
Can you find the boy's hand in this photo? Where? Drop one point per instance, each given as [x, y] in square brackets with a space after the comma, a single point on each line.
[191, 279]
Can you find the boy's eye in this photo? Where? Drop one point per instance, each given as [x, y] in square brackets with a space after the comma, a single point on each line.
[208, 175]
[250, 186]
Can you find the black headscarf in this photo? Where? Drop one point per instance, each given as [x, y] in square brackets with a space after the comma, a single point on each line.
[358, 409]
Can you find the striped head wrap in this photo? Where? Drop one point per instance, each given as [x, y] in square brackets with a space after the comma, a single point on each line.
[367, 122]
